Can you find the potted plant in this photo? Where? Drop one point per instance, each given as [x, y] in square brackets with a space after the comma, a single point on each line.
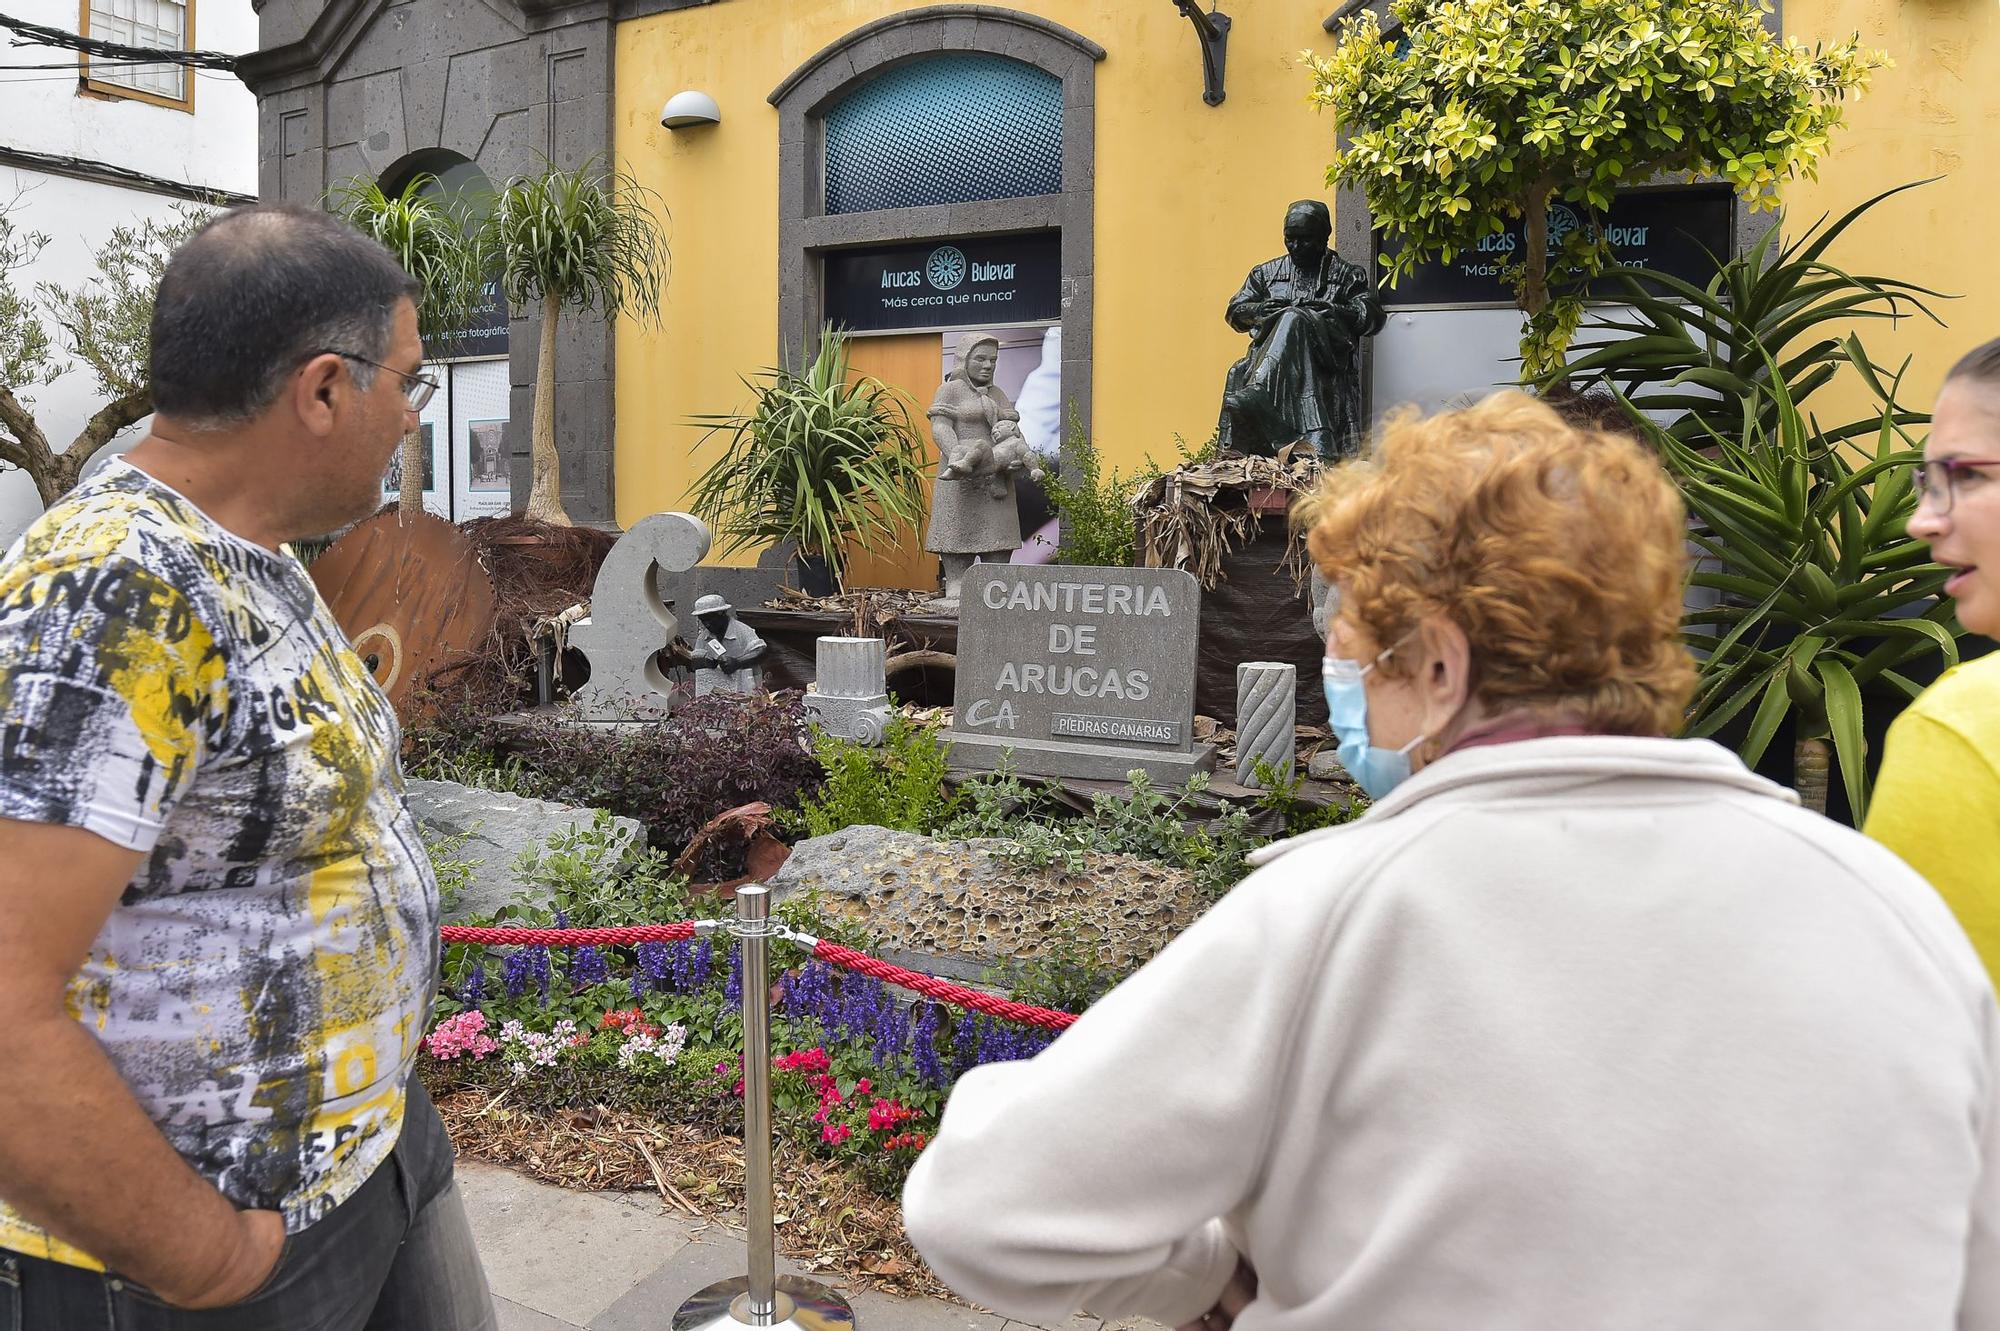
[585, 239]
[823, 459]
[438, 248]
[1811, 596]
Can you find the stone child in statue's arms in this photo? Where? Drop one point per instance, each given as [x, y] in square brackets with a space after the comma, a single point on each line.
[1007, 452]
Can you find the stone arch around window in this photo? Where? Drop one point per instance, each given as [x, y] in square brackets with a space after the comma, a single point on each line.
[805, 228]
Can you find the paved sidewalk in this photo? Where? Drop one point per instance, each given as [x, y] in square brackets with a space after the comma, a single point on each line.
[579, 1261]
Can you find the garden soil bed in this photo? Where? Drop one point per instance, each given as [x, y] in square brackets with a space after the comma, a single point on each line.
[828, 1221]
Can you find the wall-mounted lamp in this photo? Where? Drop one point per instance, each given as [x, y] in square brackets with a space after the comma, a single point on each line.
[690, 108]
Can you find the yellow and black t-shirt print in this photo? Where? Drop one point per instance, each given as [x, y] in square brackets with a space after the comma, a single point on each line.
[264, 982]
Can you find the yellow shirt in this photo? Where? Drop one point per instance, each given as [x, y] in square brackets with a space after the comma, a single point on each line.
[1937, 803]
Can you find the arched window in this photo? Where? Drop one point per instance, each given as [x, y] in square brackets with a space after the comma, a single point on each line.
[458, 181]
[959, 127]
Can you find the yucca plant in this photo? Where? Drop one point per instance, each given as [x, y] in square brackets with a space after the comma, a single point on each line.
[1695, 354]
[586, 239]
[1824, 596]
[822, 459]
[440, 249]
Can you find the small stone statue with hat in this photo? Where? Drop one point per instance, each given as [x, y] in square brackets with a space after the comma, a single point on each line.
[725, 650]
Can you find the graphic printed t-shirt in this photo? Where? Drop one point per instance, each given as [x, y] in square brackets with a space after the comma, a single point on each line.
[263, 983]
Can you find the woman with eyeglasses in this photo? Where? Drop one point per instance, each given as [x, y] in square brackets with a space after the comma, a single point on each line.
[1579, 1028]
[1937, 802]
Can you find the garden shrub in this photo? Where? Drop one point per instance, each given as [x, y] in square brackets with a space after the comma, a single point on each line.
[713, 754]
[1143, 820]
[1281, 796]
[900, 784]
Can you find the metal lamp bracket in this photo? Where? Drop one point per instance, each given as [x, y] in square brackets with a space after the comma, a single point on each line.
[1212, 27]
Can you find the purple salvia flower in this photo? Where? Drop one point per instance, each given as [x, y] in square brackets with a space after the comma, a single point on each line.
[515, 972]
[587, 968]
[651, 969]
[923, 1042]
[704, 966]
[473, 992]
[965, 1042]
[732, 992]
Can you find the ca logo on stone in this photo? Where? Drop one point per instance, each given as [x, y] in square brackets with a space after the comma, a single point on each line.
[945, 268]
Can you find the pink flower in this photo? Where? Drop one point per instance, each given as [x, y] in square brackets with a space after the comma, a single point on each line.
[835, 1133]
[462, 1034]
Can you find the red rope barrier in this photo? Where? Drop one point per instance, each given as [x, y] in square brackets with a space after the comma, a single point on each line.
[943, 990]
[620, 937]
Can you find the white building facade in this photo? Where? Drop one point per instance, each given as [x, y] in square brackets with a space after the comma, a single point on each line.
[90, 145]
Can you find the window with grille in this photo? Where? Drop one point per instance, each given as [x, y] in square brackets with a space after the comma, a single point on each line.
[956, 128]
[152, 23]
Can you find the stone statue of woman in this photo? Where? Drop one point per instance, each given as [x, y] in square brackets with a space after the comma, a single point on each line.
[980, 451]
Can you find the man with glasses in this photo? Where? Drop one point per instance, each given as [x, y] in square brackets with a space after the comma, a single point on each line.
[218, 926]
[1937, 802]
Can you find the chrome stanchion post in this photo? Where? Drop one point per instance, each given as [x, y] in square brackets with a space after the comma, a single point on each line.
[752, 920]
[761, 1298]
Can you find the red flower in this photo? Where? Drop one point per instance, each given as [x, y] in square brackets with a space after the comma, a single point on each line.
[886, 1114]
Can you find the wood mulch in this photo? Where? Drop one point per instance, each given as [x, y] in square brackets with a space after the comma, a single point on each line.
[826, 1219]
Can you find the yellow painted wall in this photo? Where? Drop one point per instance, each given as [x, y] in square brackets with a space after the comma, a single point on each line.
[1188, 198]
[1936, 113]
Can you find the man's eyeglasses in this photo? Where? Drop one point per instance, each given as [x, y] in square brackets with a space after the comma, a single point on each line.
[417, 388]
[1938, 480]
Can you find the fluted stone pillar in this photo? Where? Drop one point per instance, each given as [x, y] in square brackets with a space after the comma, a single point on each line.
[849, 697]
[1266, 715]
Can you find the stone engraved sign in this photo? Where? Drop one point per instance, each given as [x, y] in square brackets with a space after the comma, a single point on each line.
[1081, 672]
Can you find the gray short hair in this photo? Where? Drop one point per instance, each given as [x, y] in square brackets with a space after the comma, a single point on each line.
[254, 294]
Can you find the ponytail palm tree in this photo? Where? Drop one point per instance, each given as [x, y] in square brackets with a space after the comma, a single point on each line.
[586, 239]
[437, 247]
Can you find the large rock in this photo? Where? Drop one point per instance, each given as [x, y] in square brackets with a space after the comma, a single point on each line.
[958, 908]
[497, 829]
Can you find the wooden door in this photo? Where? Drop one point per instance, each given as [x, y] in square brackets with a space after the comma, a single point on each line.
[913, 363]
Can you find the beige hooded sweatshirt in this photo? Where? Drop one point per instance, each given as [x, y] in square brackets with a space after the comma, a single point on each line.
[1570, 1034]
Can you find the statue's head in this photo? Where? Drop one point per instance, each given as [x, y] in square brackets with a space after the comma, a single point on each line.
[978, 358]
[1308, 228]
[713, 614]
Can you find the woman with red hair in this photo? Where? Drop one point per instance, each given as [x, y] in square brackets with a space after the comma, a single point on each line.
[1580, 1028]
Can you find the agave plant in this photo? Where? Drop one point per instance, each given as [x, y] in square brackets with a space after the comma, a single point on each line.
[1824, 596]
[1693, 354]
[586, 239]
[438, 248]
[822, 459]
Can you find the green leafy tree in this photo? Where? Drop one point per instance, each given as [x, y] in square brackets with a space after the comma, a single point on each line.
[1482, 111]
[586, 239]
[102, 324]
[442, 249]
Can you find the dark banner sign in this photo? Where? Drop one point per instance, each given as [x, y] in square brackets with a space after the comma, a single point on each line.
[1673, 231]
[484, 334]
[997, 281]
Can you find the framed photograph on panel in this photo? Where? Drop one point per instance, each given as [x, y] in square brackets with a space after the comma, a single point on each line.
[488, 455]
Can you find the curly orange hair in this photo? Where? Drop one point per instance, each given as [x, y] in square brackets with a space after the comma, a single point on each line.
[1559, 551]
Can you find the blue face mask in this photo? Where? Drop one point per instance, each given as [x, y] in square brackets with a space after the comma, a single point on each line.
[1376, 771]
